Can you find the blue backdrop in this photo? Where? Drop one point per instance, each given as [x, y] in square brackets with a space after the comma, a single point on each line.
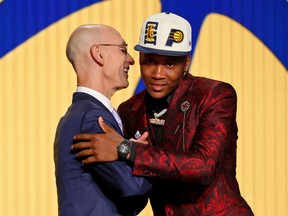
[266, 19]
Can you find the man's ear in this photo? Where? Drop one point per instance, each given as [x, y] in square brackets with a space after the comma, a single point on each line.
[187, 63]
[96, 55]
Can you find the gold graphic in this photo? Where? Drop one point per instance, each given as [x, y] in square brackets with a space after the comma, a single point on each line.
[150, 32]
[178, 36]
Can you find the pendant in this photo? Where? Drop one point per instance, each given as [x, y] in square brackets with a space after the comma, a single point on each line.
[185, 106]
[157, 115]
[157, 121]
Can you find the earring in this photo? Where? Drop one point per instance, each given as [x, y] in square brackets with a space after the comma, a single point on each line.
[185, 73]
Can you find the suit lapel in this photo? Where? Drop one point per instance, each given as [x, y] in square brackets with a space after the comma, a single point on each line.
[176, 116]
[80, 96]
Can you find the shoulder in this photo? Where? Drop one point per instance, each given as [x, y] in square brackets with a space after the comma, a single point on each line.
[204, 82]
[84, 100]
[207, 86]
[84, 107]
[83, 103]
[79, 109]
[87, 113]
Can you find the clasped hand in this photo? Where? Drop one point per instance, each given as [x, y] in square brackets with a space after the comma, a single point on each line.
[101, 147]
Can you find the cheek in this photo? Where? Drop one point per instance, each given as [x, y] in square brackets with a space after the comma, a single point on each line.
[174, 79]
[145, 73]
[173, 85]
[174, 76]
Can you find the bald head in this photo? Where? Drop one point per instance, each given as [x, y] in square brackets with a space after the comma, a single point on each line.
[84, 37]
[90, 50]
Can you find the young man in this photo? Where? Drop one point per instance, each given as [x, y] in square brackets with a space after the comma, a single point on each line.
[105, 188]
[191, 156]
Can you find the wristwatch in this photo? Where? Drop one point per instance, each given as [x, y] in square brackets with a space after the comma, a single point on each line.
[123, 149]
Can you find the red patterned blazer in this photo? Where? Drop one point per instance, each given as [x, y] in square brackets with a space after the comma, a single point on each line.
[193, 168]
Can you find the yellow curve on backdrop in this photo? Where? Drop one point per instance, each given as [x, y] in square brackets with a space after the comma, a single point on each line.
[37, 83]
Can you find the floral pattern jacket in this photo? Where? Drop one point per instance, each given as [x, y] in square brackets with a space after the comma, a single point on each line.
[193, 168]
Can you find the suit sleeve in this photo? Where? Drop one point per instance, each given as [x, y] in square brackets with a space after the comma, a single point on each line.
[216, 133]
[116, 175]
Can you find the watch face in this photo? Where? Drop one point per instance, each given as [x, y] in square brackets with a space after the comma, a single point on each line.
[124, 148]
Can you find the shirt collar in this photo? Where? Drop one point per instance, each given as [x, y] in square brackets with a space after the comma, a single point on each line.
[103, 99]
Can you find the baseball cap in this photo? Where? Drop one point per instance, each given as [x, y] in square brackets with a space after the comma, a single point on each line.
[165, 34]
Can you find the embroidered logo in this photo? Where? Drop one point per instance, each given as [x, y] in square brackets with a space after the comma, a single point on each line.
[174, 36]
[151, 33]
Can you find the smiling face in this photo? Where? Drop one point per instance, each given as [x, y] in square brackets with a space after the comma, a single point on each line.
[117, 61]
[100, 58]
[162, 74]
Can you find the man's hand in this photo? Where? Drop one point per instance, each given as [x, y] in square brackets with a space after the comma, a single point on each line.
[142, 139]
[98, 147]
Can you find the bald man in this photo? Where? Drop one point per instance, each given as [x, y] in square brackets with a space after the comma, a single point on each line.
[100, 59]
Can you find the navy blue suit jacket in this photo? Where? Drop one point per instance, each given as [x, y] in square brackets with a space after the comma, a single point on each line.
[99, 189]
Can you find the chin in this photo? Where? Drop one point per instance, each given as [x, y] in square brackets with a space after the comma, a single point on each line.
[124, 82]
[125, 85]
[157, 95]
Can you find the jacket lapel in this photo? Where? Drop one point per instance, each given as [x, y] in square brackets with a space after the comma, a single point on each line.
[80, 96]
[177, 114]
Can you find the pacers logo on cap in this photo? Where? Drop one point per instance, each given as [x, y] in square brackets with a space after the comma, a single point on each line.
[151, 32]
[174, 36]
[165, 34]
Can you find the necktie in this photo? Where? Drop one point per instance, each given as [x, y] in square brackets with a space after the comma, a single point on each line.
[117, 118]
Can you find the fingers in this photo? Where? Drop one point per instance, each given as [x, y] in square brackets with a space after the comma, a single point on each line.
[85, 153]
[142, 139]
[94, 159]
[81, 145]
[133, 140]
[89, 160]
[83, 137]
[144, 136]
[88, 137]
[88, 156]
[99, 147]
[104, 126]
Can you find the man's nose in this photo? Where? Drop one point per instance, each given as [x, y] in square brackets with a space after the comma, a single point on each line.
[158, 71]
[130, 59]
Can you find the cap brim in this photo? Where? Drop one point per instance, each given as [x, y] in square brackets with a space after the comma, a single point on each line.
[159, 52]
